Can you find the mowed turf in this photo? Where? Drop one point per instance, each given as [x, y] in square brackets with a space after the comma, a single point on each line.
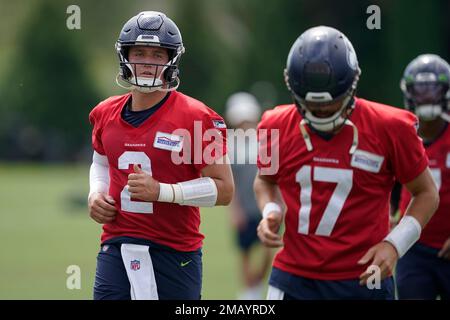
[45, 228]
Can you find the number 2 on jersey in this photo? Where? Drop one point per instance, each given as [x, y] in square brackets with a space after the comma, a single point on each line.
[125, 160]
[344, 180]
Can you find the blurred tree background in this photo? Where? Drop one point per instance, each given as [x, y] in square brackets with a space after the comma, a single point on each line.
[51, 77]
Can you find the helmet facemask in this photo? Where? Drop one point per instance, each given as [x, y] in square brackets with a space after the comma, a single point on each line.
[428, 99]
[336, 120]
[167, 74]
[425, 86]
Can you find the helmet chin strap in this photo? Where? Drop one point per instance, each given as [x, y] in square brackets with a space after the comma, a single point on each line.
[308, 142]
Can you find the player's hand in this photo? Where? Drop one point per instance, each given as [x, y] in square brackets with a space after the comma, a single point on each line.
[142, 186]
[101, 207]
[268, 230]
[445, 251]
[383, 255]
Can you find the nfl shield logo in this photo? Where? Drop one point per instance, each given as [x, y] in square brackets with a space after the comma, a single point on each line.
[135, 265]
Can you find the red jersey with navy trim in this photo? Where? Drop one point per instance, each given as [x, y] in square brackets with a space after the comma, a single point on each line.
[338, 203]
[437, 230]
[174, 144]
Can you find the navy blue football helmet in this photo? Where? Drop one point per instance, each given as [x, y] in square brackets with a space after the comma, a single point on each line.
[322, 68]
[426, 87]
[150, 28]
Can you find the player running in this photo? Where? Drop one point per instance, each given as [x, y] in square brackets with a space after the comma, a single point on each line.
[338, 158]
[158, 156]
[424, 272]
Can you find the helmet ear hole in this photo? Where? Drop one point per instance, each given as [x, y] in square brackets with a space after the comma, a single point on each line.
[171, 73]
[125, 72]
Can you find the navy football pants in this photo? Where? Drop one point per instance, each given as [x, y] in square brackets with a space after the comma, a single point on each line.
[421, 274]
[178, 275]
[301, 288]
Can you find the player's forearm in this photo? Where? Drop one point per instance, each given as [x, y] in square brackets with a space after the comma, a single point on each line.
[424, 202]
[408, 230]
[423, 205]
[424, 198]
[265, 192]
[221, 173]
[200, 192]
[99, 174]
[225, 191]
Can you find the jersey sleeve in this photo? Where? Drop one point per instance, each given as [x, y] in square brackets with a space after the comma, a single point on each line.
[268, 147]
[97, 144]
[213, 140]
[408, 156]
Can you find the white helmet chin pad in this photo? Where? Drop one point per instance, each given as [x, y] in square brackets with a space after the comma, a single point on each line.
[428, 112]
[330, 123]
[144, 84]
[325, 124]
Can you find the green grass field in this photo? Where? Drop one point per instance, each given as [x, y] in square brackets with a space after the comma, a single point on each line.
[44, 228]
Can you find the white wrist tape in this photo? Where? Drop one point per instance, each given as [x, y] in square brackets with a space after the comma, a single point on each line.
[405, 234]
[99, 174]
[165, 192]
[271, 207]
[201, 192]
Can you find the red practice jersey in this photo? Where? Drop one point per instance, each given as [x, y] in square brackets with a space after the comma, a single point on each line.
[437, 231]
[168, 145]
[338, 204]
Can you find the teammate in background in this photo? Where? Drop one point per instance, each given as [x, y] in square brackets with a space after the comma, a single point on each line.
[243, 112]
[148, 203]
[424, 272]
[338, 158]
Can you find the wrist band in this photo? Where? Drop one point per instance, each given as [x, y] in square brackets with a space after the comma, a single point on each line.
[200, 192]
[271, 207]
[405, 234]
[166, 193]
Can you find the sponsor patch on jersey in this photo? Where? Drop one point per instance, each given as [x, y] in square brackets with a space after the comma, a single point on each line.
[167, 141]
[367, 161]
[219, 124]
[447, 161]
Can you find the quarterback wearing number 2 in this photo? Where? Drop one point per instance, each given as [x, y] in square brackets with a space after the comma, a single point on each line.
[159, 155]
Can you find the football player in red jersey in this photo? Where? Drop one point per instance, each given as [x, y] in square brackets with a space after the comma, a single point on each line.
[424, 272]
[338, 158]
[159, 155]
